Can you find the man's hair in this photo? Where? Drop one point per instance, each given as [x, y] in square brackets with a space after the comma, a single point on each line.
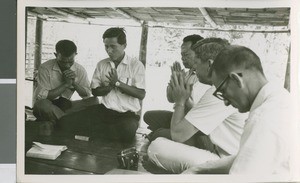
[236, 57]
[209, 48]
[65, 47]
[194, 38]
[117, 32]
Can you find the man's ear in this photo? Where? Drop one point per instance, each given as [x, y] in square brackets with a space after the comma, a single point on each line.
[210, 62]
[237, 79]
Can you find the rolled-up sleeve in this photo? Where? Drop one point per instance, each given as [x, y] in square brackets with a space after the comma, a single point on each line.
[96, 80]
[139, 76]
[83, 80]
[43, 84]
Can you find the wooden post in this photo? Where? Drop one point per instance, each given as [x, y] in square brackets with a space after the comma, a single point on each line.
[143, 45]
[37, 49]
[288, 72]
[38, 43]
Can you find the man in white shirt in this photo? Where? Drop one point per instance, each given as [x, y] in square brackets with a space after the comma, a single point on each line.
[57, 80]
[120, 81]
[265, 146]
[212, 128]
[159, 120]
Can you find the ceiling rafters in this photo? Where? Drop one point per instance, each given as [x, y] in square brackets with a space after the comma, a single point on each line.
[68, 14]
[208, 18]
[127, 15]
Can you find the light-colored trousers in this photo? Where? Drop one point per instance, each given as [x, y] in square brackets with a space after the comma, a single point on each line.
[177, 157]
[44, 109]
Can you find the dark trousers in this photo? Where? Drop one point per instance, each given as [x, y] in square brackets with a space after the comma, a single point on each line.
[159, 123]
[98, 121]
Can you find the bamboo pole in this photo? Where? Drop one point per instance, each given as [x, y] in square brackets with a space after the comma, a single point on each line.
[143, 45]
[288, 72]
[38, 48]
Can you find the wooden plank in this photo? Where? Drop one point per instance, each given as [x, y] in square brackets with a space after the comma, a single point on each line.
[82, 162]
[122, 171]
[33, 167]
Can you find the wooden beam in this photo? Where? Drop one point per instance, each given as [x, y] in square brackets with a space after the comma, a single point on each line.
[143, 45]
[38, 46]
[66, 14]
[208, 18]
[288, 72]
[127, 15]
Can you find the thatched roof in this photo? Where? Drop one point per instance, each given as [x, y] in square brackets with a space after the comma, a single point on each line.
[258, 19]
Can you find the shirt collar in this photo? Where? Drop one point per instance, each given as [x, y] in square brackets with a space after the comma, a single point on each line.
[123, 61]
[56, 67]
[263, 93]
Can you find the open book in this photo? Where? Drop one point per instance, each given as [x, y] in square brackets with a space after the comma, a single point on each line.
[45, 151]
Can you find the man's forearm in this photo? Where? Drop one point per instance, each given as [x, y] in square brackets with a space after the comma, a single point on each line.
[81, 90]
[132, 91]
[176, 128]
[101, 90]
[57, 91]
[169, 94]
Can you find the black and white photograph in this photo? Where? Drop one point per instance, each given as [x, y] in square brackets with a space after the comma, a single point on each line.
[154, 90]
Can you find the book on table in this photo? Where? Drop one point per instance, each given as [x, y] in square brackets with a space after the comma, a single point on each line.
[45, 151]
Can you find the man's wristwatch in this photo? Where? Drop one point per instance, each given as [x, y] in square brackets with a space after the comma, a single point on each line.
[117, 84]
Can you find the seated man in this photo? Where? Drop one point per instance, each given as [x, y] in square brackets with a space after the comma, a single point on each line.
[120, 81]
[266, 143]
[57, 80]
[159, 120]
[209, 130]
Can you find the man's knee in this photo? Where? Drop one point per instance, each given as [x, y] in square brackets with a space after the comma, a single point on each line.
[147, 117]
[42, 105]
[44, 110]
[129, 130]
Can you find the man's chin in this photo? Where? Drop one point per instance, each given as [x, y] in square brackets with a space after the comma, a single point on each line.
[242, 110]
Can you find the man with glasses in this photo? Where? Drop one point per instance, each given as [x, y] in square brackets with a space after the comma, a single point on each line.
[212, 128]
[57, 80]
[266, 143]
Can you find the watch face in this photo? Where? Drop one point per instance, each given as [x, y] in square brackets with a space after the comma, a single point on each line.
[117, 83]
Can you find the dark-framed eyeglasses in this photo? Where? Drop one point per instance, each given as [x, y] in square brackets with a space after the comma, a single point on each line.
[218, 93]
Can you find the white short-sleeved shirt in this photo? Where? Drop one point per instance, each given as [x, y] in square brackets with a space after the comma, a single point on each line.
[50, 77]
[130, 71]
[198, 91]
[190, 77]
[266, 142]
[223, 124]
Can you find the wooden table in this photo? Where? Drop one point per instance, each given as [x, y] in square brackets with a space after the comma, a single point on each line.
[96, 156]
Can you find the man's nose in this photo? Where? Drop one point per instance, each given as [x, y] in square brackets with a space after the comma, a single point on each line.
[226, 102]
[109, 50]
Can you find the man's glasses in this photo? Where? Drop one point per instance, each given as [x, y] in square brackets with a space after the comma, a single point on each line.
[218, 93]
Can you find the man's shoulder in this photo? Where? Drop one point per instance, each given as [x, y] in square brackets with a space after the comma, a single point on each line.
[103, 61]
[48, 63]
[133, 61]
[78, 66]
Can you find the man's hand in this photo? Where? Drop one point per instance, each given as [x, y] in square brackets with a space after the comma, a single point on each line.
[180, 90]
[112, 77]
[69, 76]
[176, 67]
